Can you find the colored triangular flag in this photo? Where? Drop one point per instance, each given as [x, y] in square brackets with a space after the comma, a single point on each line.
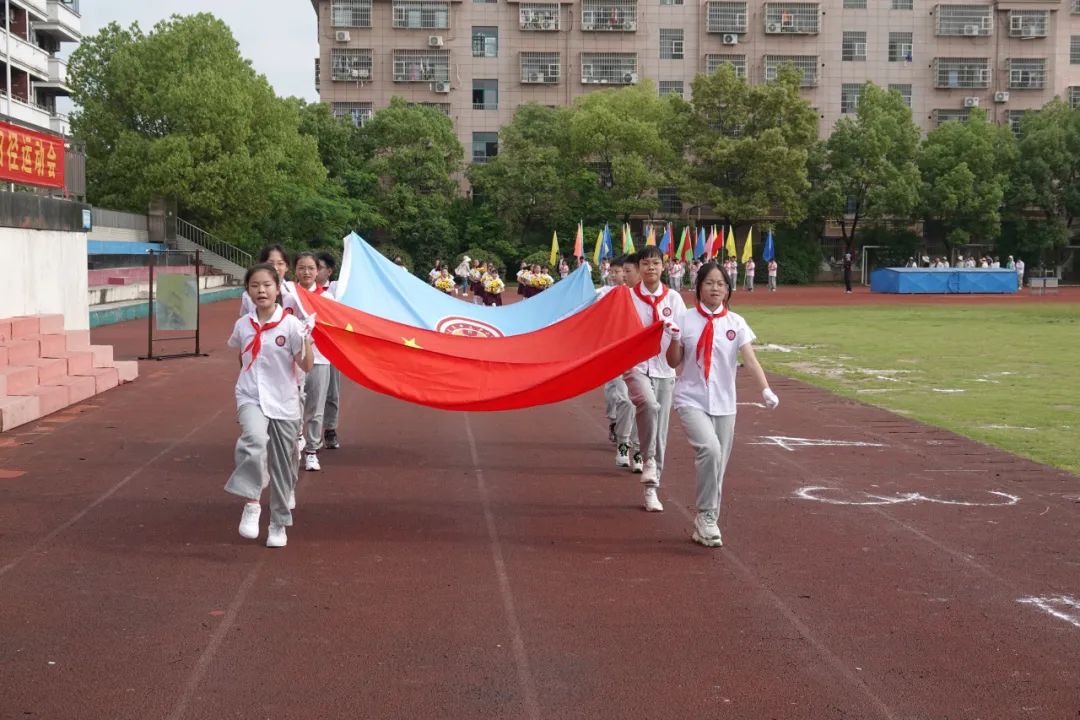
[628, 240]
[682, 244]
[770, 250]
[650, 238]
[579, 242]
[665, 241]
[599, 246]
[748, 248]
[554, 248]
[730, 245]
[700, 247]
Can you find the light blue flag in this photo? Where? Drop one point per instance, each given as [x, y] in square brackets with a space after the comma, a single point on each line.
[770, 249]
[699, 249]
[371, 283]
[605, 247]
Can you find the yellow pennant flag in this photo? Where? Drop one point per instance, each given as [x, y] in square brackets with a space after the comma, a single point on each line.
[599, 244]
[748, 248]
[729, 246]
[650, 239]
[628, 245]
[554, 248]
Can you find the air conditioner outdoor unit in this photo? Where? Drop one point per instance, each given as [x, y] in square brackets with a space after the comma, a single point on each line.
[774, 28]
[435, 41]
[342, 36]
[970, 102]
[548, 25]
[1001, 96]
[630, 77]
[534, 77]
[730, 39]
[442, 87]
[971, 30]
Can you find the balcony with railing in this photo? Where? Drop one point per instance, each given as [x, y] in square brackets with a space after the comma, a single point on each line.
[608, 68]
[962, 73]
[542, 68]
[609, 15]
[792, 19]
[350, 65]
[805, 64]
[539, 17]
[726, 17]
[964, 20]
[431, 66]
[64, 22]
[1028, 24]
[28, 55]
[1027, 73]
[714, 61]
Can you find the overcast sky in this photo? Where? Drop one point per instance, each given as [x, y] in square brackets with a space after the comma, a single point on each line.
[278, 36]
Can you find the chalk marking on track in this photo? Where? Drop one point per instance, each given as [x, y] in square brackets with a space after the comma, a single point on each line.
[1052, 605]
[103, 497]
[816, 492]
[521, 658]
[790, 443]
[823, 650]
[208, 653]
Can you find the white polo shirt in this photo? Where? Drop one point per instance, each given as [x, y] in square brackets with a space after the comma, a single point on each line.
[670, 309]
[271, 381]
[717, 397]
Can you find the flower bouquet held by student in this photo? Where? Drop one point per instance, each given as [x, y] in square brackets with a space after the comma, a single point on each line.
[708, 345]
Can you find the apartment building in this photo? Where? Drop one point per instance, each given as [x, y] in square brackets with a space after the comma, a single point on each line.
[33, 75]
[478, 59]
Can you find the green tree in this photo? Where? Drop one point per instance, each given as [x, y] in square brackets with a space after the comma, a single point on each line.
[747, 146]
[965, 170]
[415, 154]
[177, 112]
[1045, 197]
[867, 168]
[621, 134]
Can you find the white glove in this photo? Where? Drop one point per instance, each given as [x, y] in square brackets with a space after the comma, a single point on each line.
[771, 401]
[309, 325]
[672, 331]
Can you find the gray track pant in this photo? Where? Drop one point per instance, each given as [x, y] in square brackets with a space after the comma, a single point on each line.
[316, 384]
[621, 410]
[711, 436]
[333, 395]
[652, 403]
[265, 445]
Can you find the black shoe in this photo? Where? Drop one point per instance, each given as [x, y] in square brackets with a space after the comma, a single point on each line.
[611, 433]
[330, 441]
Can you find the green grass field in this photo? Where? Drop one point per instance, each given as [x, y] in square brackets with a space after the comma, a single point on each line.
[1006, 376]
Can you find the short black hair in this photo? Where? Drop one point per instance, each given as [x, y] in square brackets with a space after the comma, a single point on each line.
[328, 259]
[259, 267]
[631, 259]
[703, 273]
[264, 253]
[618, 261]
[649, 251]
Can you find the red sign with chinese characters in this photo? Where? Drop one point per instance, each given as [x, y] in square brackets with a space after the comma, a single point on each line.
[31, 158]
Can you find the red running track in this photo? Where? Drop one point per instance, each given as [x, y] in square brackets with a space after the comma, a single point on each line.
[498, 566]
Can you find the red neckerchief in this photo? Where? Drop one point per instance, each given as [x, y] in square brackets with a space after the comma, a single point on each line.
[320, 289]
[705, 342]
[652, 300]
[256, 342]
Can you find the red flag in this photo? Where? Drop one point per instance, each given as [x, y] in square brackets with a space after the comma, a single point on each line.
[454, 372]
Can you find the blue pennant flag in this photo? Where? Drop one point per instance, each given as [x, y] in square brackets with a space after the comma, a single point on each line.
[375, 285]
[665, 241]
[605, 248]
[699, 248]
[770, 251]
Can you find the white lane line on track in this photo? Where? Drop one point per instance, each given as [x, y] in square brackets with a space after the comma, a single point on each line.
[517, 642]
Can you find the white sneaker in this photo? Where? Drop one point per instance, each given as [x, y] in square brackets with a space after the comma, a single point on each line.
[249, 521]
[652, 503]
[311, 462]
[276, 538]
[622, 456]
[648, 474]
[292, 499]
[636, 464]
[706, 532]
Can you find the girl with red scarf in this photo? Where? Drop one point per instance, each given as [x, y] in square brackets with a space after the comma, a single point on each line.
[710, 341]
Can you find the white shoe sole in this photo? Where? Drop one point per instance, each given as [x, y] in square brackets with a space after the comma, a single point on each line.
[707, 542]
[619, 462]
[248, 535]
[276, 544]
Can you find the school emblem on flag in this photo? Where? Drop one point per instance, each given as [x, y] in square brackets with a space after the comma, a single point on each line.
[457, 325]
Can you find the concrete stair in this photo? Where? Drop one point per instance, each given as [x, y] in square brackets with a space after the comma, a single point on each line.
[44, 368]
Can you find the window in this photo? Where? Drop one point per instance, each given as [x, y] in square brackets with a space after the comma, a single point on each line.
[961, 73]
[965, 20]
[1028, 23]
[849, 97]
[792, 18]
[422, 66]
[539, 16]
[806, 64]
[485, 94]
[671, 44]
[485, 145]
[853, 47]
[712, 62]
[350, 13]
[484, 2]
[1074, 97]
[1076, 7]
[671, 87]
[1027, 73]
[350, 64]
[1013, 118]
[609, 15]
[485, 42]
[905, 92]
[726, 17]
[444, 108]
[671, 2]
[902, 5]
[900, 47]
[855, 4]
[426, 15]
[951, 115]
[1074, 50]
[669, 201]
[609, 68]
[358, 113]
[540, 67]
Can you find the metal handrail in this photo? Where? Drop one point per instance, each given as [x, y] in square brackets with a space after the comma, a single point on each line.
[205, 240]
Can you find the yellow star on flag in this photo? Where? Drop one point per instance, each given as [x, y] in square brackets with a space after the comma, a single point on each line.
[411, 342]
[348, 326]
